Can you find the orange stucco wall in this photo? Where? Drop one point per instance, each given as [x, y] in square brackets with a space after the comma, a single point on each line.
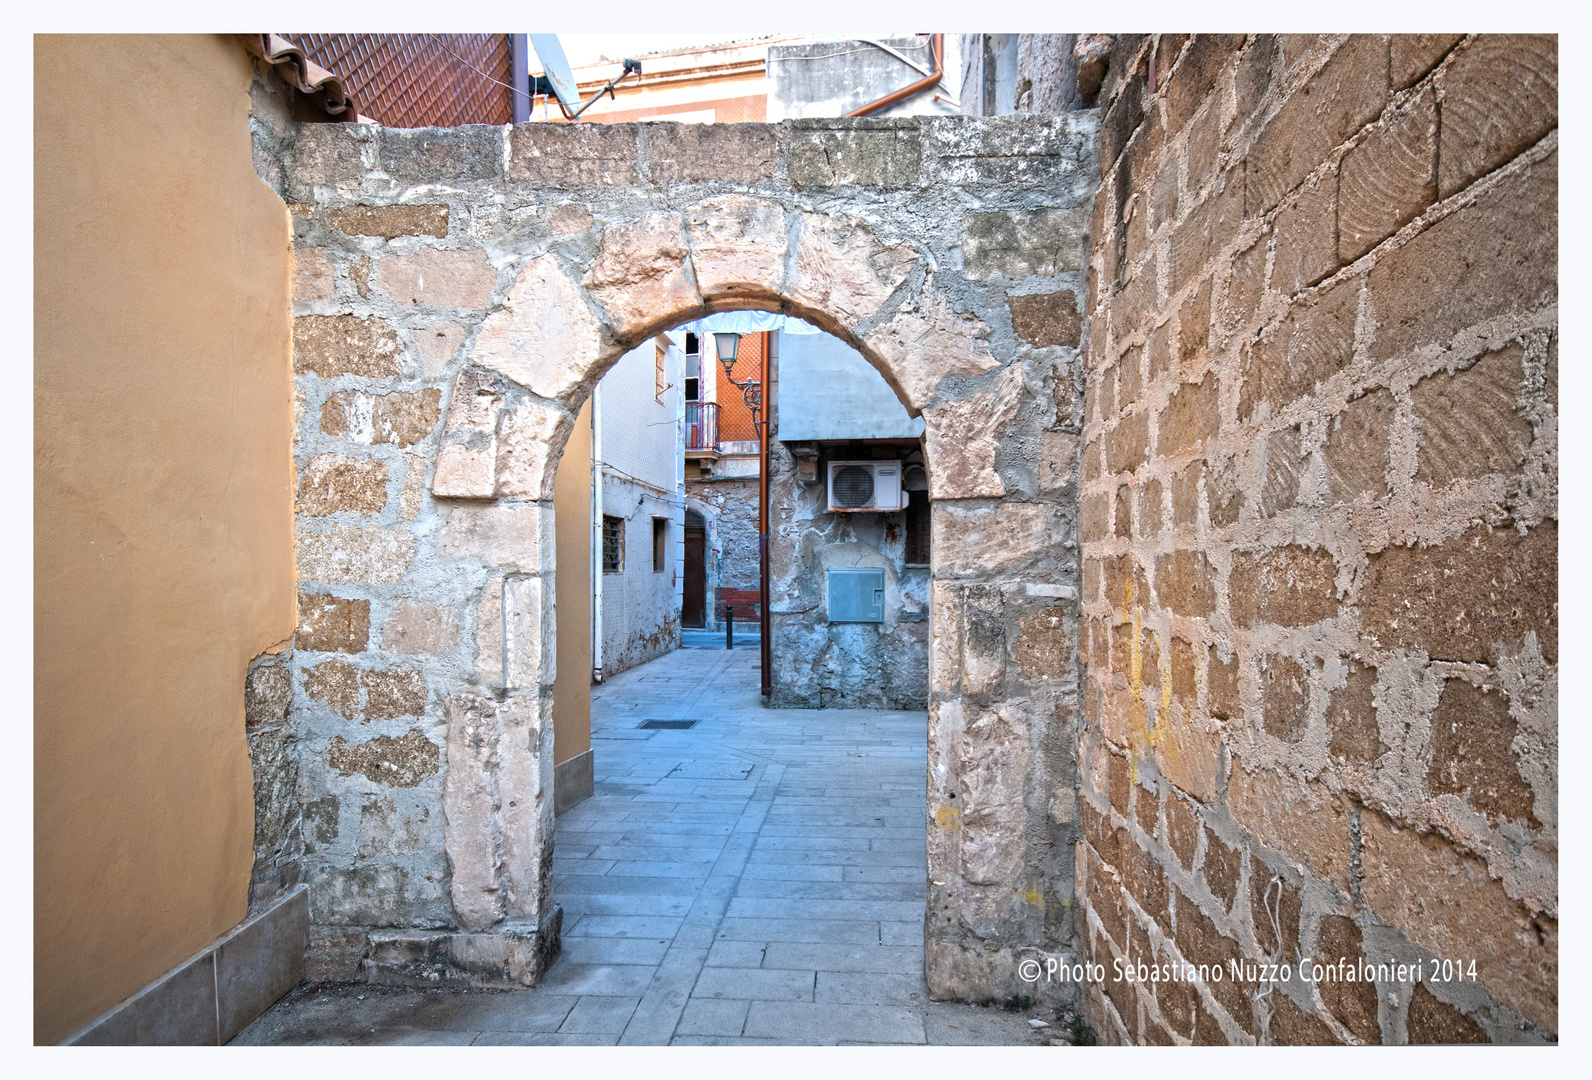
[163, 545]
[572, 593]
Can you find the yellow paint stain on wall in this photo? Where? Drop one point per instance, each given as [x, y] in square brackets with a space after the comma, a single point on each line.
[1164, 668]
[1135, 659]
[948, 817]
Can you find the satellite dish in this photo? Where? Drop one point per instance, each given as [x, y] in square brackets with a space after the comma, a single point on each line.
[556, 67]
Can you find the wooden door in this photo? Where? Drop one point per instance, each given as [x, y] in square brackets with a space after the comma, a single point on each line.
[694, 600]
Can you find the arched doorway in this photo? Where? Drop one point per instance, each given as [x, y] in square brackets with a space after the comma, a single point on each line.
[500, 327]
[694, 594]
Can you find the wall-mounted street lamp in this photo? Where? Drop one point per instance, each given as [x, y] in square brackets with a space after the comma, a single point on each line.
[727, 345]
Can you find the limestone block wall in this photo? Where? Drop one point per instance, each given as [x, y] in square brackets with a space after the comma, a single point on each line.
[1318, 517]
[461, 291]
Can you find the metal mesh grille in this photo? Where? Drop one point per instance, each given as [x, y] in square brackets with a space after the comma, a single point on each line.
[735, 419]
[852, 485]
[419, 80]
[666, 725]
[917, 539]
[613, 545]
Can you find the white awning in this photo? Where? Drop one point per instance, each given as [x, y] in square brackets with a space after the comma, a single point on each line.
[750, 322]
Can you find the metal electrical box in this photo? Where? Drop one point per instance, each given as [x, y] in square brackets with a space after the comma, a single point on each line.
[856, 595]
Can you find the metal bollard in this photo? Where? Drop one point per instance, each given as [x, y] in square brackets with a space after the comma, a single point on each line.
[729, 627]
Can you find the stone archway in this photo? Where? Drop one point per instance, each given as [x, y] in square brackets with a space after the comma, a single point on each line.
[708, 518]
[462, 291]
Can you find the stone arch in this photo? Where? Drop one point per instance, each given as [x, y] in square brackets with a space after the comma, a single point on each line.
[560, 250]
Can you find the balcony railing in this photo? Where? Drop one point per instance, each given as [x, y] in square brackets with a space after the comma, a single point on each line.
[701, 425]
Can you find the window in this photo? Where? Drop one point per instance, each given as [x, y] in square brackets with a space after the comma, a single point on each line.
[658, 385]
[660, 544]
[613, 545]
[917, 552]
[693, 373]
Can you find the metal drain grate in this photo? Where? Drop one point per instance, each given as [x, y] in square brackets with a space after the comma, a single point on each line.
[667, 725]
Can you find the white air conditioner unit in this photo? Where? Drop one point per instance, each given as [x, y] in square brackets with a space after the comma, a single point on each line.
[865, 485]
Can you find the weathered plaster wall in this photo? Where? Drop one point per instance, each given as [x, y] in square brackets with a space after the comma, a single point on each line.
[828, 391]
[163, 555]
[1318, 515]
[643, 478]
[820, 664]
[834, 77]
[641, 605]
[470, 286]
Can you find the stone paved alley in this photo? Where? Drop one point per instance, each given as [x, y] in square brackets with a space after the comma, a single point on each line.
[758, 878]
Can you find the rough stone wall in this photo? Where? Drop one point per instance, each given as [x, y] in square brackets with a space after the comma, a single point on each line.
[1319, 502]
[273, 759]
[459, 293]
[729, 507]
[820, 664]
[419, 702]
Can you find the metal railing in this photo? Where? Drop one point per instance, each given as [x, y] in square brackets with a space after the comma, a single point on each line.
[701, 425]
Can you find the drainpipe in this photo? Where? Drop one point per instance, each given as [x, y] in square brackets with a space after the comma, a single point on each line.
[913, 89]
[767, 645]
[596, 537]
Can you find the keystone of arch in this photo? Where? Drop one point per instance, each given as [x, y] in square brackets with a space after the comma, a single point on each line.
[738, 245]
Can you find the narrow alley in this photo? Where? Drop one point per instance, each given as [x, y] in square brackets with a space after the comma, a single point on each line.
[758, 877]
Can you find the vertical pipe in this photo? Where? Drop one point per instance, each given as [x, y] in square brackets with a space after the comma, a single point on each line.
[596, 537]
[519, 78]
[767, 644]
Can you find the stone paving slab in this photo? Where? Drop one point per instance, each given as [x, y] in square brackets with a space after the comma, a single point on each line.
[853, 931]
[813, 1024]
[603, 980]
[736, 954]
[834, 890]
[825, 957]
[869, 987]
[754, 984]
[614, 950]
[785, 908]
[543, 1011]
[600, 1015]
[713, 1017]
[622, 926]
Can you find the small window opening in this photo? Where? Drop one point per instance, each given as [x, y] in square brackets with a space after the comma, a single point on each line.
[917, 538]
[613, 545]
[693, 376]
[660, 544]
